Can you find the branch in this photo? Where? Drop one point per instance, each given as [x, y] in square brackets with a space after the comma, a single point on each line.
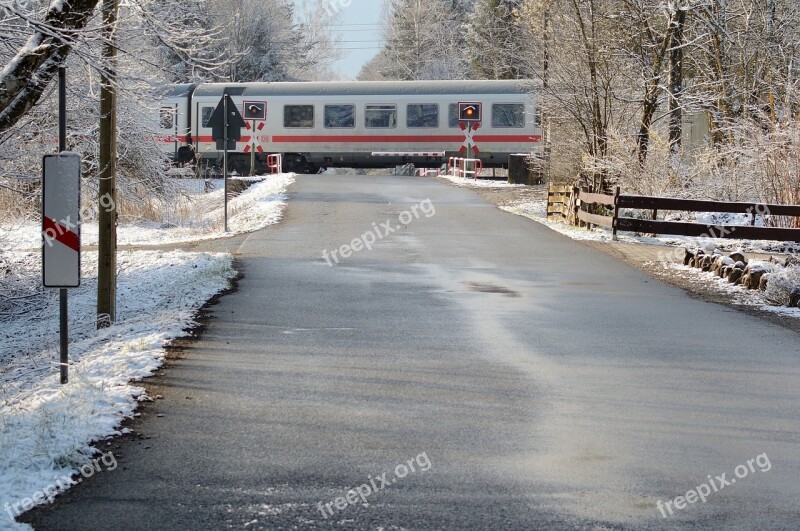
[26, 76]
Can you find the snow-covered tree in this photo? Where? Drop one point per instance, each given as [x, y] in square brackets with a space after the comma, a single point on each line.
[495, 39]
[423, 39]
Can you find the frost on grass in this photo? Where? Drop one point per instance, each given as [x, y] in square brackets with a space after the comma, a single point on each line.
[193, 215]
[47, 430]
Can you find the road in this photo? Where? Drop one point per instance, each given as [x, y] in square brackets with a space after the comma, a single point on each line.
[500, 374]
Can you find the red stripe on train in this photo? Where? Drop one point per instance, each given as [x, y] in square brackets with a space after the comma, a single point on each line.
[363, 139]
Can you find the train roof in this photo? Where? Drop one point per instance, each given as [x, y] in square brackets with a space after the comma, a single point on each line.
[371, 88]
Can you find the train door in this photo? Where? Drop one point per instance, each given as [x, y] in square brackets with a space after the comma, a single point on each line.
[168, 128]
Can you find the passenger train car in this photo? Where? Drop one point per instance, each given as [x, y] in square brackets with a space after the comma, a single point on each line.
[355, 124]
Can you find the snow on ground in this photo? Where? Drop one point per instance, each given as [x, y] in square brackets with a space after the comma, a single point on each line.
[46, 429]
[536, 211]
[195, 216]
[739, 295]
[480, 183]
[673, 254]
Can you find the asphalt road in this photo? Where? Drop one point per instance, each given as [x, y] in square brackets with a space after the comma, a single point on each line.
[501, 375]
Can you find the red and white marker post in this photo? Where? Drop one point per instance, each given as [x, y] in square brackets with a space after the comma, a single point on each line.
[61, 234]
[256, 143]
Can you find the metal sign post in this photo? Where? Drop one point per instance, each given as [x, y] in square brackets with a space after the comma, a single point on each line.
[61, 256]
[225, 159]
[226, 128]
[61, 196]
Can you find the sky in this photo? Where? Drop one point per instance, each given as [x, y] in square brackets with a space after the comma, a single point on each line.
[358, 26]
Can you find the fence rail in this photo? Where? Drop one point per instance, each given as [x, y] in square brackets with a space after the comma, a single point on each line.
[586, 208]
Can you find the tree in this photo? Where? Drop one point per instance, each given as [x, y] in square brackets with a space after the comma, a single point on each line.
[495, 40]
[27, 74]
[423, 40]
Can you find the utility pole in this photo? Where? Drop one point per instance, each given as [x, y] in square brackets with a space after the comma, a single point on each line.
[107, 252]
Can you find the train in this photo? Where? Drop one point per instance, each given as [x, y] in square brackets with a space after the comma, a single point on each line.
[359, 124]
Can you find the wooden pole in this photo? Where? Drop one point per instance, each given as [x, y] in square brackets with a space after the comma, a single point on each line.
[107, 248]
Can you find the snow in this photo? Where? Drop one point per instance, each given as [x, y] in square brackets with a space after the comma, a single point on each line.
[674, 251]
[48, 431]
[480, 183]
[739, 295]
[536, 211]
[196, 216]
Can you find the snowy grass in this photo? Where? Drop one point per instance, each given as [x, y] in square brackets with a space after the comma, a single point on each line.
[193, 216]
[46, 429]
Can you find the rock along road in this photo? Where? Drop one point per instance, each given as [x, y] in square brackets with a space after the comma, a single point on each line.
[472, 370]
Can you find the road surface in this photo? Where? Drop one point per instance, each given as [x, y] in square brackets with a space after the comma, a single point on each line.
[472, 370]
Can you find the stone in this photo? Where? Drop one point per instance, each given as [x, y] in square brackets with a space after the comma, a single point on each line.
[753, 278]
[738, 256]
[762, 284]
[736, 276]
[726, 271]
[794, 298]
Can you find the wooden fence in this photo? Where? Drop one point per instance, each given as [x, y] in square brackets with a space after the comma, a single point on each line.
[559, 201]
[587, 208]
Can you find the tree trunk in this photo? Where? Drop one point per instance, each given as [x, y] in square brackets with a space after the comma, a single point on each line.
[676, 83]
[27, 75]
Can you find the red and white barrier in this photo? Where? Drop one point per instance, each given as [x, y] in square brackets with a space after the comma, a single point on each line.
[458, 167]
[275, 163]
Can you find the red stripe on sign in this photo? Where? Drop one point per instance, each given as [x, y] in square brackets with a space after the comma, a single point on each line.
[54, 230]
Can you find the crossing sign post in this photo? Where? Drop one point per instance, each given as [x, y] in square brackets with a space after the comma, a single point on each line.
[226, 129]
[61, 230]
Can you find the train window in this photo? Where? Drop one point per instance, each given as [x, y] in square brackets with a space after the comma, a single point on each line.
[167, 117]
[207, 112]
[508, 115]
[380, 116]
[298, 116]
[452, 115]
[422, 115]
[337, 116]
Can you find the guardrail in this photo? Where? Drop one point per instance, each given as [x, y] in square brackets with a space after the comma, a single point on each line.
[585, 208]
[275, 163]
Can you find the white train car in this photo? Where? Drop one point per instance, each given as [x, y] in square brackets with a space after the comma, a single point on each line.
[356, 124]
